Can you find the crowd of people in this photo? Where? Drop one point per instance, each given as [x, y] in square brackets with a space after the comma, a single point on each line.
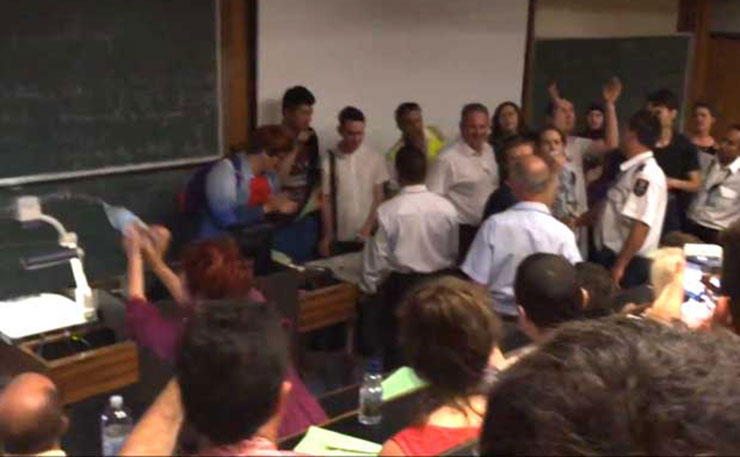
[533, 279]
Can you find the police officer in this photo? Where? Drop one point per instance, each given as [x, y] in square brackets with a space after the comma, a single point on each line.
[632, 219]
[717, 205]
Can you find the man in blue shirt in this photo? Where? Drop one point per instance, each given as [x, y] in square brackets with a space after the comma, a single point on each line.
[528, 227]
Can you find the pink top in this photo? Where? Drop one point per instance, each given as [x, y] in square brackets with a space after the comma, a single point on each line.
[433, 439]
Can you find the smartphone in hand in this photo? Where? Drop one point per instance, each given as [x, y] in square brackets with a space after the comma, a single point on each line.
[702, 284]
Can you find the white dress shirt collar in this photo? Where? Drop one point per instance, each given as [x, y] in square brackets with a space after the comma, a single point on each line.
[532, 206]
[414, 189]
[734, 166]
[639, 158]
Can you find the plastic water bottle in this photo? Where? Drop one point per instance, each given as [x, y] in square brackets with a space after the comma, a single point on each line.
[371, 394]
[121, 218]
[116, 424]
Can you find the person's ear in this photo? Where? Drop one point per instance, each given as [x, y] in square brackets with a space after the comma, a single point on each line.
[65, 425]
[586, 298]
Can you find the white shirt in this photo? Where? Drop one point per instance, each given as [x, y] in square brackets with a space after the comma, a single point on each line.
[639, 194]
[466, 178]
[717, 205]
[356, 174]
[576, 150]
[417, 232]
[507, 238]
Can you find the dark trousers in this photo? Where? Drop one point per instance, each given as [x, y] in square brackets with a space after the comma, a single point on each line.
[467, 235]
[706, 234]
[637, 272]
[380, 316]
[345, 247]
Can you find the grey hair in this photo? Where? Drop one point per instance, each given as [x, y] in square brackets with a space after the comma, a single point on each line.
[533, 180]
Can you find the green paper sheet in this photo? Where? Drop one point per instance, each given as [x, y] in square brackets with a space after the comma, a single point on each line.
[319, 441]
[402, 381]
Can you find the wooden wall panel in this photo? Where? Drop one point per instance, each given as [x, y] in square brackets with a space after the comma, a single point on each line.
[694, 16]
[722, 89]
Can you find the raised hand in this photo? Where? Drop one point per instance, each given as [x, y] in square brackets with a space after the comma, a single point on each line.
[612, 90]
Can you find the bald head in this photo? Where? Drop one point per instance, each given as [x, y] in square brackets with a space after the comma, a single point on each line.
[31, 418]
[530, 179]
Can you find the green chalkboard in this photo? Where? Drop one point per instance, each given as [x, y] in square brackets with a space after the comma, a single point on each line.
[88, 84]
[582, 66]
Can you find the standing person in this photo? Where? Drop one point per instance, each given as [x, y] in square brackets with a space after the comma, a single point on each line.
[466, 172]
[703, 119]
[595, 128]
[568, 208]
[242, 189]
[32, 420]
[507, 238]
[678, 158]
[503, 198]
[417, 238]
[506, 123]
[410, 121]
[631, 223]
[352, 187]
[299, 238]
[717, 205]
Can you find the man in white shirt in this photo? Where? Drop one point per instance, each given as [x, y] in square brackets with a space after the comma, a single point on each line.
[352, 187]
[632, 219]
[528, 227]
[717, 205]
[466, 172]
[561, 114]
[32, 421]
[417, 238]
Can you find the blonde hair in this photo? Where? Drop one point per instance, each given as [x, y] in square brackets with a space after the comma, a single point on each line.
[663, 268]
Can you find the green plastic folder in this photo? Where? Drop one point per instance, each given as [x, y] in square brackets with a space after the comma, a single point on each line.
[402, 381]
[319, 441]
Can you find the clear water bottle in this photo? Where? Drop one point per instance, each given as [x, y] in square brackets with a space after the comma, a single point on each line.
[116, 424]
[371, 394]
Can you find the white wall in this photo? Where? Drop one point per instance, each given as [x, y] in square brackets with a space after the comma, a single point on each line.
[605, 18]
[725, 16]
[377, 53]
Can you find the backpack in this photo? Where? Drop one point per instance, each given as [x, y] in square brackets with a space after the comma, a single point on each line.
[193, 200]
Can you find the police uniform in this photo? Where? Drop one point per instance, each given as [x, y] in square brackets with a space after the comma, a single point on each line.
[640, 193]
[717, 205]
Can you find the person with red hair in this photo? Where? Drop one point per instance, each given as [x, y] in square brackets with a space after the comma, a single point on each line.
[211, 270]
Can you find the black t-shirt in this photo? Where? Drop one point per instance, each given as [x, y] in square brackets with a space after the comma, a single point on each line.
[679, 158]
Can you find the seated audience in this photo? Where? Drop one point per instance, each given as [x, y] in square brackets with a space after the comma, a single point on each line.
[502, 198]
[631, 222]
[548, 293]
[704, 116]
[717, 205]
[528, 227]
[619, 386]
[211, 270]
[466, 172]
[410, 122]
[352, 187]
[678, 158]
[595, 125]
[302, 178]
[507, 123]
[231, 385]
[450, 337]
[32, 421]
[417, 237]
[242, 189]
[601, 293]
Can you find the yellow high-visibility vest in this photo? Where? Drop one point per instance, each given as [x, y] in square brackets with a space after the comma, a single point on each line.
[435, 142]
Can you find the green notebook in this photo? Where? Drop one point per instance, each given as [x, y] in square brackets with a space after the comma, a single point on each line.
[319, 441]
[402, 381]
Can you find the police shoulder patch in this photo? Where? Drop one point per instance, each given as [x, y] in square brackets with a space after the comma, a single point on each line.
[641, 186]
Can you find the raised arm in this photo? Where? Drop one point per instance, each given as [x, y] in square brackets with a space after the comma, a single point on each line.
[135, 264]
[612, 91]
[157, 431]
[154, 249]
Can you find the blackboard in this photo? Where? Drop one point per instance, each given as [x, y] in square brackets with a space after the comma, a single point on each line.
[91, 84]
[582, 66]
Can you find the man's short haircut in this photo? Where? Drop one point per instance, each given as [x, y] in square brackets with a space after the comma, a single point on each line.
[533, 182]
[595, 106]
[515, 142]
[707, 106]
[597, 281]
[350, 114]
[297, 96]
[405, 108]
[547, 287]
[448, 331]
[411, 165]
[231, 366]
[471, 108]
[37, 437]
[619, 386]
[664, 97]
[646, 126]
